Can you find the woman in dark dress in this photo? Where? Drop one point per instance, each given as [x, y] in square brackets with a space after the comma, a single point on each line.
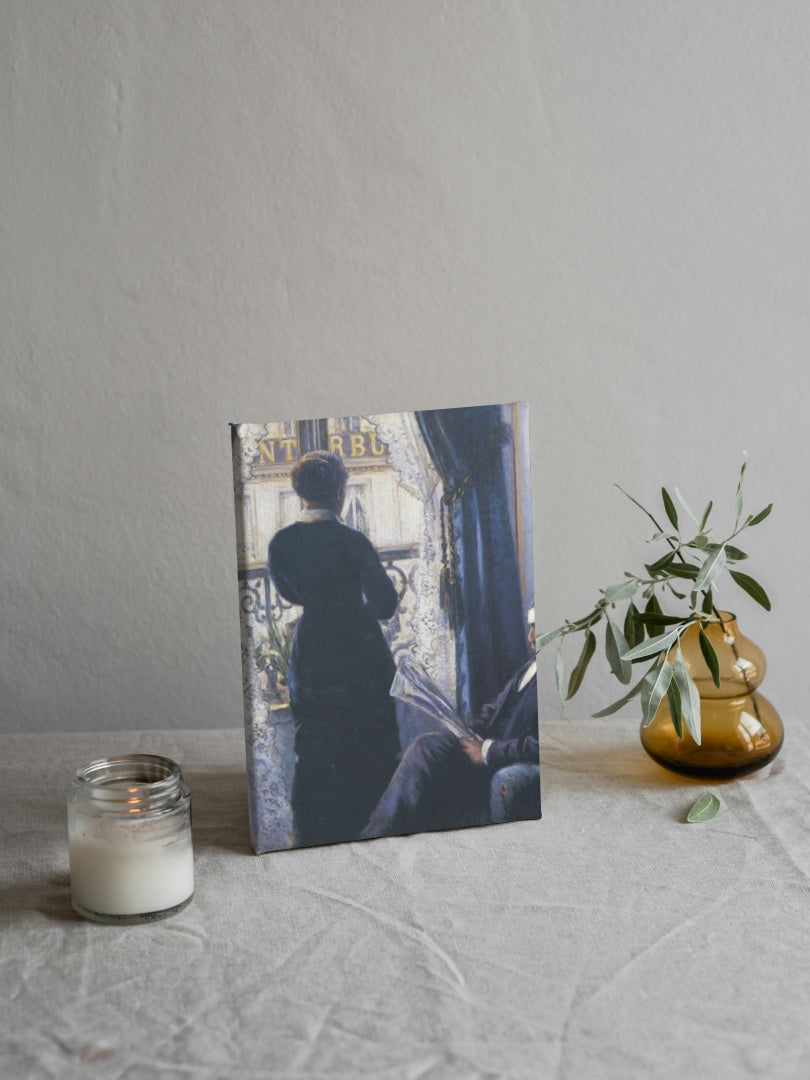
[346, 740]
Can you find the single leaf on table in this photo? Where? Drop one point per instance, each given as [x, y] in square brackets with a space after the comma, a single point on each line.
[690, 698]
[655, 685]
[710, 656]
[674, 701]
[615, 648]
[752, 587]
[704, 809]
[577, 675]
[669, 507]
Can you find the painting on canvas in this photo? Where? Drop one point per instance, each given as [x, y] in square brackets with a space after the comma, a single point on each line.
[387, 614]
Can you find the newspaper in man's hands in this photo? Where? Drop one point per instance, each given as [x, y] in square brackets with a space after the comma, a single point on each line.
[414, 686]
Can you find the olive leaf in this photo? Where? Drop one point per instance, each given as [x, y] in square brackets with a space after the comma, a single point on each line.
[652, 606]
[674, 702]
[588, 620]
[710, 656]
[752, 587]
[660, 620]
[654, 686]
[704, 520]
[683, 570]
[684, 504]
[615, 648]
[633, 628]
[740, 488]
[577, 675]
[660, 564]
[690, 698]
[755, 520]
[704, 809]
[733, 554]
[559, 673]
[623, 591]
[655, 644]
[710, 569]
[669, 507]
[546, 639]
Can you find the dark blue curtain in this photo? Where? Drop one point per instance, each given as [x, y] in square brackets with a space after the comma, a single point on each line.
[481, 577]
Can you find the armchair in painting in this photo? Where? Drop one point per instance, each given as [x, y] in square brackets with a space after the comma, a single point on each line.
[514, 793]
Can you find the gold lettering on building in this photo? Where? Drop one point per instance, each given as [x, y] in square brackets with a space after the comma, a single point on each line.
[288, 445]
[377, 449]
[336, 444]
[358, 445]
[267, 451]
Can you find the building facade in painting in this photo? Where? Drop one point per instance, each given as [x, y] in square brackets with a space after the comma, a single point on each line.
[379, 502]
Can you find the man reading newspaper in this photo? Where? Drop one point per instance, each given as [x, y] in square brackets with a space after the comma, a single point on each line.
[443, 779]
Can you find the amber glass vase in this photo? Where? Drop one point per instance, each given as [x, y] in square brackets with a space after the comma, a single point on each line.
[740, 729]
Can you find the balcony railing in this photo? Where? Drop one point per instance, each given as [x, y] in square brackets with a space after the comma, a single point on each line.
[260, 601]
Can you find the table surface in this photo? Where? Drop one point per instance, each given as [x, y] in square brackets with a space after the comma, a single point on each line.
[608, 939]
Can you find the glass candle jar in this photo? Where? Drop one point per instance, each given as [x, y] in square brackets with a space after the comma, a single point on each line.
[129, 835]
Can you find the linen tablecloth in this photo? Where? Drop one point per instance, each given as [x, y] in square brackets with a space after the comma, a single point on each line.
[610, 939]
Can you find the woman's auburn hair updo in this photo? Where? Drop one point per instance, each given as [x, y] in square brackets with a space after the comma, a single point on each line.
[318, 476]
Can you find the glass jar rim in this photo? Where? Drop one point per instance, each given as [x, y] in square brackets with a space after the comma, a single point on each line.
[131, 783]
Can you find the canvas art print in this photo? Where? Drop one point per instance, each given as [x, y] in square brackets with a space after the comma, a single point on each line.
[387, 615]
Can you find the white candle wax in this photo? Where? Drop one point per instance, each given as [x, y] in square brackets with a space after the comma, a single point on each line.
[129, 868]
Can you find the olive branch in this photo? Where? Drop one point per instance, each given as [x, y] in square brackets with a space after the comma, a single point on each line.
[693, 563]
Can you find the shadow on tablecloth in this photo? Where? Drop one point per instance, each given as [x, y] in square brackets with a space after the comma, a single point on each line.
[219, 809]
[219, 821]
[590, 760]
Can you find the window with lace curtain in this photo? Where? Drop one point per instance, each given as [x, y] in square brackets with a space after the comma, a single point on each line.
[392, 496]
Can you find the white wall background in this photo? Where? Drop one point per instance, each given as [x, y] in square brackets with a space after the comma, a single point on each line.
[254, 210]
